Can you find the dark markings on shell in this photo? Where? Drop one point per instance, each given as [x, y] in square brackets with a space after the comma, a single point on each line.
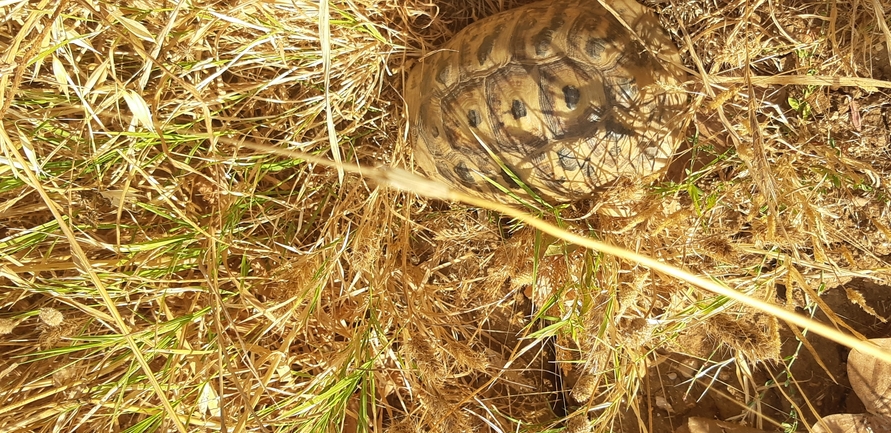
[571, 96]
[487, 44]
[445, 171]
[464, 174]
[615, 131]
[627, 89]
[506, 82]
[517, 141]
[612, 100]
[547, 103]
[543, 167]
[547, 111]
[590, 170]
[537, 161]
[636, 55]
[649, 149]
[595, 47]
[558, 183]
[542, 40]
[651, 106]
[614, 30]
[518, 109]
[567, 159]
[536, 142]
[594, 114]
[473, 118]
[451, 135]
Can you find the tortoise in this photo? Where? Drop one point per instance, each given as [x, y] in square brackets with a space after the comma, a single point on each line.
[558, 95]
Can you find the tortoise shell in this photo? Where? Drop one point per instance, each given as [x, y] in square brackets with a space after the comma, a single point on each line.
[559, 95]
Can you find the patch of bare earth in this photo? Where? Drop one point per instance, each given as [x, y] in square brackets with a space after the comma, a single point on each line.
[159, 273]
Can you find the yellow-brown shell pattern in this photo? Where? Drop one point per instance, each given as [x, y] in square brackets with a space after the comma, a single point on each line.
[560, 92]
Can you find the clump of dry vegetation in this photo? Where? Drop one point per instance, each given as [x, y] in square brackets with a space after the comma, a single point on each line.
[159, 273]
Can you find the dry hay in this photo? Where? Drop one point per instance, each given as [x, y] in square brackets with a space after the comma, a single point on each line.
[266, 293]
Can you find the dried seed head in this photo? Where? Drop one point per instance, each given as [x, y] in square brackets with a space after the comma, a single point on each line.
[578, 424]
[584, 388]
[51, 316]
[6, 326]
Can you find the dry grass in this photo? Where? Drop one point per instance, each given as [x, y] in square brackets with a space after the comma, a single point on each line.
[159, 275]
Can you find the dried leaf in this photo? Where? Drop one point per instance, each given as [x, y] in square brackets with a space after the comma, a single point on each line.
[60, 74]
[135, 27]
[871, 379]
[851, 423]
[140, 109]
